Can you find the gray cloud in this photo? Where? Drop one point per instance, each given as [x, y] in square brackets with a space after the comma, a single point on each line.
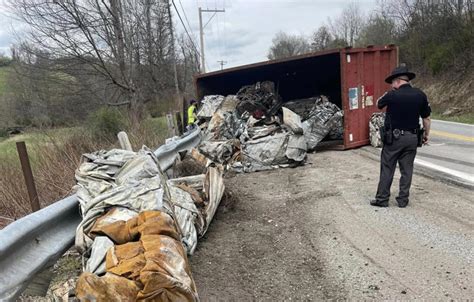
[243, 34]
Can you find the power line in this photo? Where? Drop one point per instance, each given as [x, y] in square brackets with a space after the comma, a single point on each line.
[192, 38]
[185, 16]
[185, 29]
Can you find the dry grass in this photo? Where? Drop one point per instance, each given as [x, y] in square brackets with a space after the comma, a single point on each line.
[54, 161]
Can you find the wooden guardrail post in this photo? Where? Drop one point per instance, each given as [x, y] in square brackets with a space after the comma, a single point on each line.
[28, 175]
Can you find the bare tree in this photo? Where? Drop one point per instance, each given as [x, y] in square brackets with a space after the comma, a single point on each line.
[125, 43]
[321, 39]
[348, 25]
[286, 45]
[379, 30]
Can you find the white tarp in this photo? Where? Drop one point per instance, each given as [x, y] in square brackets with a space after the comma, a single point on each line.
[135, 186]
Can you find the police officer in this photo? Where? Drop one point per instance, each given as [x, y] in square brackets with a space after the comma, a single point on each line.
[405, 104]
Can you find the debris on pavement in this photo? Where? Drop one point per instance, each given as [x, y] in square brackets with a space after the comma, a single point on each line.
[138, 226]
[323, 117]
[376, 122]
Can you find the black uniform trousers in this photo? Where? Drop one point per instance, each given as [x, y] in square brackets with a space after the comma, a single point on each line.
[403, 151]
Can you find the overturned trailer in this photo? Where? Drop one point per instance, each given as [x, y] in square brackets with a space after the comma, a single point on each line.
[352, 78]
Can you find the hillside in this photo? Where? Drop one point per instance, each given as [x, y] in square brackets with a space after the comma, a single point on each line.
[5, 117]
[451, 95]
[3, 78]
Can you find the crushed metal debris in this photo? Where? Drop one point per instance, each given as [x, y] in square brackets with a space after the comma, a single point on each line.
[376, 122]
[139, 227]
[255, 130]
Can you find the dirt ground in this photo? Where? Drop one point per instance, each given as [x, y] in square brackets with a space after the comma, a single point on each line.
[309, 234]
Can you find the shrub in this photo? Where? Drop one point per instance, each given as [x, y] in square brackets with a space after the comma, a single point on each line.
[54, 161]
[3, 132]
[105, 123]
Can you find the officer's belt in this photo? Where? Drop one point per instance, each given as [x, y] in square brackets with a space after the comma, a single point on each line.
[405, 131]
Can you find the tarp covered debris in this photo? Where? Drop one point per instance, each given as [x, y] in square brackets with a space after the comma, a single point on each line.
[138, 226]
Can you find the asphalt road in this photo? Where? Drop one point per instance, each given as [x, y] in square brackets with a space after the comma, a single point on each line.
[309, 234]
[451, 147]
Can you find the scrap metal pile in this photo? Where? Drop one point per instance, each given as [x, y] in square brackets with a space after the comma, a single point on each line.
[254, 130]
[138, 226]
[376, 122]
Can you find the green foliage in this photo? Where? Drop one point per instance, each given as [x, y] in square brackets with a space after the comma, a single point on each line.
[5, 61]
[3, 133]
[106, 122]
[438, 58]
[466, 118]
[437, 39]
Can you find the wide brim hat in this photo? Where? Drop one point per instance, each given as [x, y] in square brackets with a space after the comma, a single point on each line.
[398, 72]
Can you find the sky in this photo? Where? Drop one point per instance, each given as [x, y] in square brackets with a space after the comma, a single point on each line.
[242, 34]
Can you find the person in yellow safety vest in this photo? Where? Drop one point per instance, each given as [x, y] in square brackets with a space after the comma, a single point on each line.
[192, 115]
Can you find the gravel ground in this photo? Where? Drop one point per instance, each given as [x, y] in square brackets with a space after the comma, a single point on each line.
[309, 234]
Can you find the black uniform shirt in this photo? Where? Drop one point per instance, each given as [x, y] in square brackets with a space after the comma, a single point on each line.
[405, 106]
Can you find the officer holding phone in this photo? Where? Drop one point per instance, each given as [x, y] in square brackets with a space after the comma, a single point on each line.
[405, 105]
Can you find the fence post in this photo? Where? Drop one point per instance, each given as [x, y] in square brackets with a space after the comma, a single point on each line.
[124, 141]
[28, 175]
[171, 126]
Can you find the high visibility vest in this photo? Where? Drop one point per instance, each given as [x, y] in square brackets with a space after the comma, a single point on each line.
[191, 118]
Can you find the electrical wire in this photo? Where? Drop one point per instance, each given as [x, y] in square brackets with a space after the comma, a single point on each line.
[185, 29]
[185, 16]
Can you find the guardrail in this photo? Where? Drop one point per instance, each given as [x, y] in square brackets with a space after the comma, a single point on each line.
[35, 241]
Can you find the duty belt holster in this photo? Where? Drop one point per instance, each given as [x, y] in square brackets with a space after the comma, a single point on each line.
[386, 135]
[420, 133]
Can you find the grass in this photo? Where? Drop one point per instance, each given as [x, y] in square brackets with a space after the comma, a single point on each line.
[32, 139]
[55, 155]
[466, 118]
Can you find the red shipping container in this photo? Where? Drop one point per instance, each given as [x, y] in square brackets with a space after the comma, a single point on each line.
[352, 78]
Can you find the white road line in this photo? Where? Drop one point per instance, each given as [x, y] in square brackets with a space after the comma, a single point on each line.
[465, 176]
[453, 123]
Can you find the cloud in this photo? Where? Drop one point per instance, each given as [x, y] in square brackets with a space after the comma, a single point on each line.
[243, 34]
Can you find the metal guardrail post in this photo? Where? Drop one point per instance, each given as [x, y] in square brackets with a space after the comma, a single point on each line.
[28, 175]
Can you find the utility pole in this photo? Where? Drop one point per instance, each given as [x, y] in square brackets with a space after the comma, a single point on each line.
[175, 71]
[201, 32]
[222, 63]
